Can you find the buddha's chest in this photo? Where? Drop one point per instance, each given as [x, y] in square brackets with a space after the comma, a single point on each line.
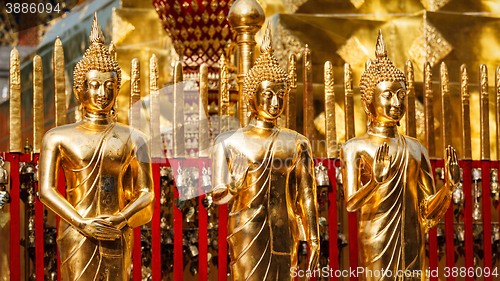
[106, 151]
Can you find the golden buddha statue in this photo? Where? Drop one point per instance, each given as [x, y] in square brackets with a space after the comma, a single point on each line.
[266, 174]
[108, 175]
[388, 178]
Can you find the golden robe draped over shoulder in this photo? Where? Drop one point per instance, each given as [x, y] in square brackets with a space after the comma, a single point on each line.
[392, 227]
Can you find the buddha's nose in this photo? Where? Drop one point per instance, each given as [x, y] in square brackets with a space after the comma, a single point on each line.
[274, 101]
[102, 92]
[395, 101]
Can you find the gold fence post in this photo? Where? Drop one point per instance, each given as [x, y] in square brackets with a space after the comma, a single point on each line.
[484, 111]
[59, 84]
[411, 123]
[203, 121]
[223, 96]
[464, 97]
[291, 106]
[331, 130]
[38, 116]
[15, 142]
[348, 103]
[178, 118]
[445, 106]
[154, 108]
[429, 110]
[135, 95]
[308, 96]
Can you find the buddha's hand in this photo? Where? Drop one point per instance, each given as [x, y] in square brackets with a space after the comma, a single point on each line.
[117, 221]
[451, 168]
[313, 255]
[381, 163]
[98, 229]
[238, 170]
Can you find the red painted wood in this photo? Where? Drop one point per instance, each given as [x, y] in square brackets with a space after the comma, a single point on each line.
[178, 220]
[485, 165]
[203, 231]
[39, 237]
[433, 248]
[353, 242]
[136, 255]
[15, 255]
[222, 273]
[469, 243]
[332, 218]
[155, 226]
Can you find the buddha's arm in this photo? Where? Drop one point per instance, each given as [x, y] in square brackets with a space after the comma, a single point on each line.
[220, 173]
[50, 162]
[307, 202]
[434, 205]
[140, 208]
[355, 198]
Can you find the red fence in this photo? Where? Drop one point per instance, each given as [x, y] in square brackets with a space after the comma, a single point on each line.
[467, 165]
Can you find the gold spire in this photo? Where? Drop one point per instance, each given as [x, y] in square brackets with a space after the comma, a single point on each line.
[266, 46]
[380, 49]
[96, 35]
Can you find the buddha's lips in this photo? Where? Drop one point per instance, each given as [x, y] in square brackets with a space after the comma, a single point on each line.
[273, 110]
[101, 100]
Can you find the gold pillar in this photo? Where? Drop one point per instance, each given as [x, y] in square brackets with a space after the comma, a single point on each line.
[203, 121]
[135, 94]
[348, 103]
[154, 108]
[59, 84]
[38, 116]
[291, 106]
[223, 96]
[178, 119]
[411, 123]
[308, 96]
[484, 111]
[429, 110]
[331, 133]
[464, 98]
[15, 143]
[445, 106]
[246, 18]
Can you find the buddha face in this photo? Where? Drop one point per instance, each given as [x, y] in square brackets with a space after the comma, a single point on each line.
[389, 102]
[100, 91]
[269, 99]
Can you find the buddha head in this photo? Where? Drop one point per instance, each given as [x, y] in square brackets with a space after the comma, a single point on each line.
[383, 90]
[97, 75]
[266, 84]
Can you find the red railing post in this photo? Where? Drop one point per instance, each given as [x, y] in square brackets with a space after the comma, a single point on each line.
[155, 224]
[202, 228]
[433, 247]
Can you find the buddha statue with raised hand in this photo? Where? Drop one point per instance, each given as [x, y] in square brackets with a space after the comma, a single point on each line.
[108, 175]
[388, 178]
[266, 174]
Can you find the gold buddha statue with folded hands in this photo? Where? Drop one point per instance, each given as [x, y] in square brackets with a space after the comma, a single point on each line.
[108, 175]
